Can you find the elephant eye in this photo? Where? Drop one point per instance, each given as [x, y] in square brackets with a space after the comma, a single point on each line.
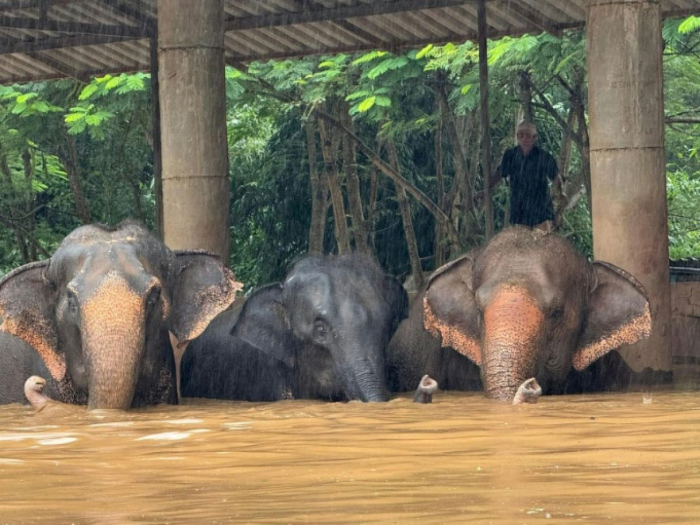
[557, 313]
[320, 329]
[153, 297]
[72, 302]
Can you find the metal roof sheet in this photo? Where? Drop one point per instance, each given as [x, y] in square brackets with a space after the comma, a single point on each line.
[46, 39]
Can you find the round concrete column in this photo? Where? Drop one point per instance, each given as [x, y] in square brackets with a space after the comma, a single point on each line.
[193, 124]
[628, 168]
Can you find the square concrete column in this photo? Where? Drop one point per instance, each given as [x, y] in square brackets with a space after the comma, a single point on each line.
[193, 125]
[628, 164]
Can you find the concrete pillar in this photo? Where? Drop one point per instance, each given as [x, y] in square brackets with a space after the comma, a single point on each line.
[193, 125]
[628, 168]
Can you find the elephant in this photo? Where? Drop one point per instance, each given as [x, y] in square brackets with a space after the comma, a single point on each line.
[320, 334]
[526, 305]
[95, 319]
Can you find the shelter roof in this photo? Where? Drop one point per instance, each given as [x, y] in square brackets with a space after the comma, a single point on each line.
[47, 39]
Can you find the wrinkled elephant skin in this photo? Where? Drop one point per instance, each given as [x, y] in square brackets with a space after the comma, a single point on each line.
[526, 305]
[320, 334]
[95, 319]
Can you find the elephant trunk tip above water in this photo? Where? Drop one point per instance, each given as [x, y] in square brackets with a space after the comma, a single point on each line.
[525, 305]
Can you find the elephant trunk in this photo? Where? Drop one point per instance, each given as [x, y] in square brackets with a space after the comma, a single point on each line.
[364, 378]
[113, 346]
[113, 368]
[513, 330]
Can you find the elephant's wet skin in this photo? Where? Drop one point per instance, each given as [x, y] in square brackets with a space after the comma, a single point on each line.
[95, 318]
[529, 392]
[526, 305]
[426, 388]
[321, 334]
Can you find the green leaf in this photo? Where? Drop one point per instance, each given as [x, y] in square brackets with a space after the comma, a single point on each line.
[41, 107]
[357, 94]
[689, 25]
[382, 101]
[561, 65]
[88, 91]
[103, 115]
[23, 99]
[368, 57]
[113, 82]
[427, 49]
[386, 65]
[92, 120]
[327, 63]
[77, 127]
[74, 117]
[366, 104]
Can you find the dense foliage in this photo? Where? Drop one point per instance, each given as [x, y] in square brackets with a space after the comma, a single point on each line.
[377, 152]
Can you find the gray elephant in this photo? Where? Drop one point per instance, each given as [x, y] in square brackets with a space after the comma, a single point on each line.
[320, 334]
[95, 319]
[526, 305]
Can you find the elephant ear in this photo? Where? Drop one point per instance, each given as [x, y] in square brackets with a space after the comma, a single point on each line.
[263, 324]
[450, 309]
[202, 287]
[27, 311]
[618, 314]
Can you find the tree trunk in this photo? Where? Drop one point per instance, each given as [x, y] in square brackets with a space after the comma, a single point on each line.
[468, 232]
[14, 198]
[359, 227]
[459, 160]
[405, 208]
[559, 192]
[329, 150]
[439, 247]
[390, 172]
[318, 193]
[526, 98]
[373, 193]
[30, 204]
[69, 160]
[584, 149]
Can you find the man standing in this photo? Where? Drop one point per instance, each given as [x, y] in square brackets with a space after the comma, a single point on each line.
[528, 170]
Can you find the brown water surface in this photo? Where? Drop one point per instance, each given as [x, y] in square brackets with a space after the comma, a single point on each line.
[463, 459]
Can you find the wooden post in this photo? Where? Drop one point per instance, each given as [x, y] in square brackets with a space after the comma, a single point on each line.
[193, 125]
[628, 165]
[485, 123]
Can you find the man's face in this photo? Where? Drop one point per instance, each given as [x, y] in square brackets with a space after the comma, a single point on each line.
[526, 139]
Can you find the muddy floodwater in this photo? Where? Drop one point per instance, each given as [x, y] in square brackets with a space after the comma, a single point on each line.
[463, 459]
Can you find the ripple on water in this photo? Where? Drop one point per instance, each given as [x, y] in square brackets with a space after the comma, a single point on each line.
[47, 436]
[240, 425]
[462, 459]
[171, 436]
[10, 461]
[57, 441]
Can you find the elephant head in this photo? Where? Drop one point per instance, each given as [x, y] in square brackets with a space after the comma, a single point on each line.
[337, 312]
[99, 311]
[528, 305]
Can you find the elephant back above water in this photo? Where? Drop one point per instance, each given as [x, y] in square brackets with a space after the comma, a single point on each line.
[94, 320]
[319, 334]
[526, 305]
